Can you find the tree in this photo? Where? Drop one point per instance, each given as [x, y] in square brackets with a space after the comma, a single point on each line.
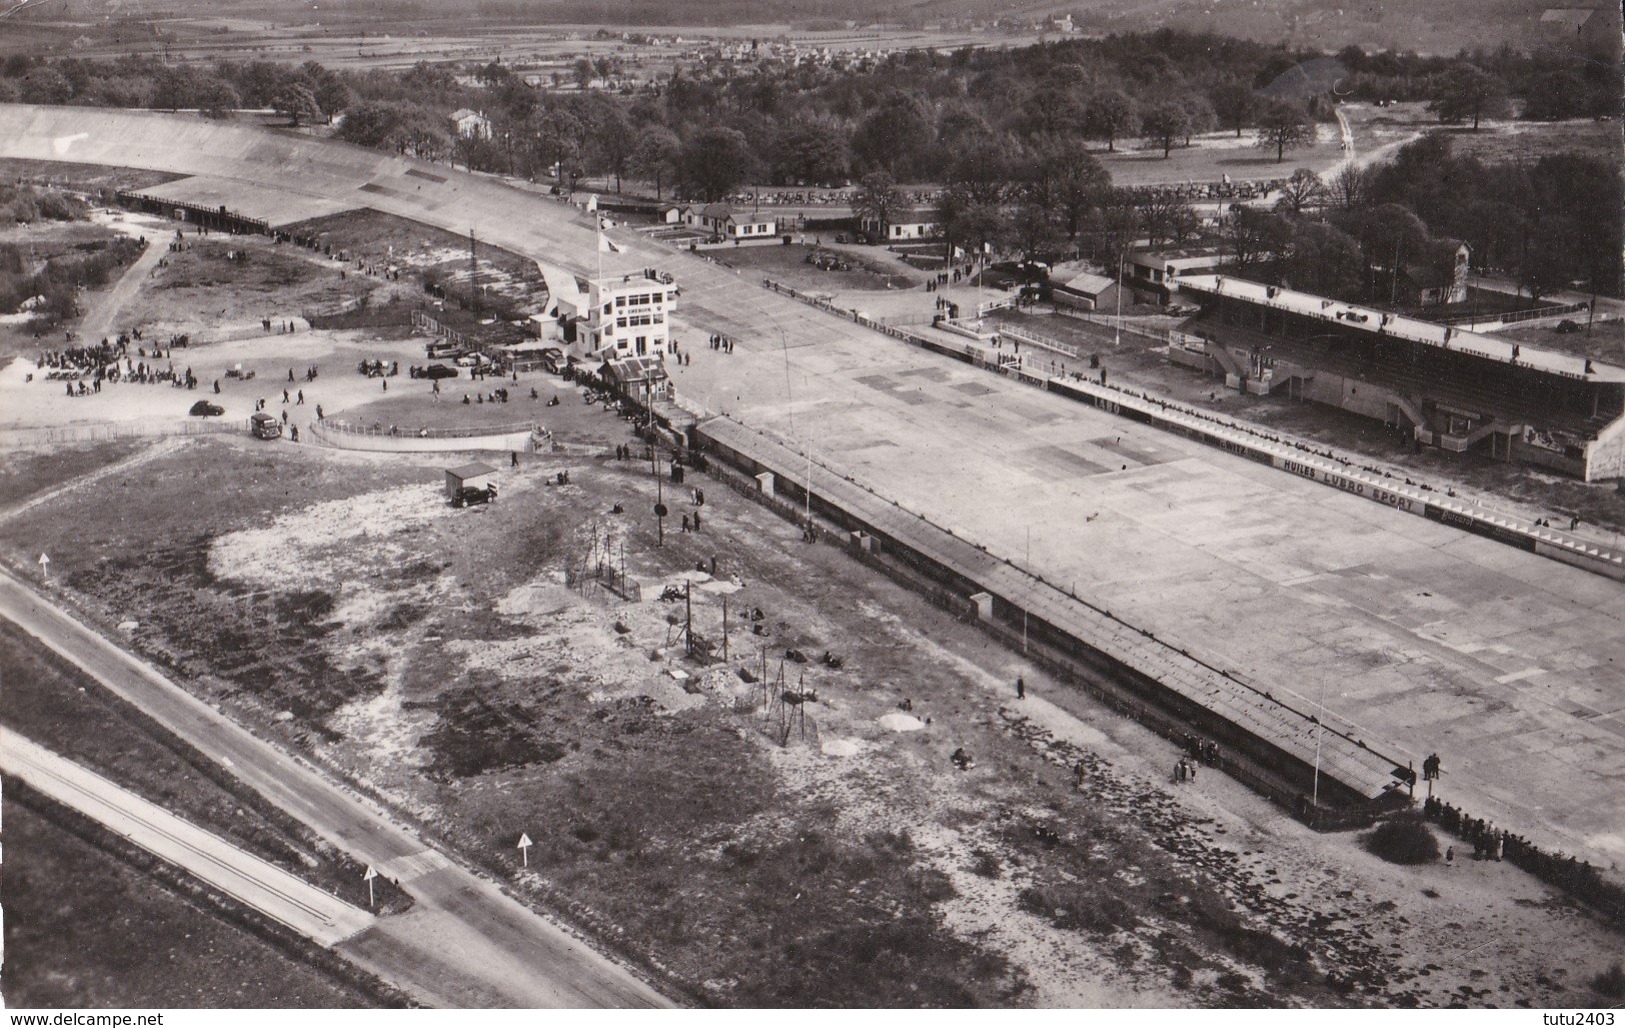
[1554, 96]
[1112, 230]
[1323, 259]
[1391, 236]
[1468, 91]
[1247, 233]
[332, 96]
[373, 123]
[811, 152]
[43, 84]
[894, 136]
[612, 138]
[1283, 126]
[1164, 123]
[1300, 192]
[1033, 231]
[1350, 187]
[297, 101]
[582, 70]
[982, 169]
[1107, 115]
[1163, 214]
[982, 228]
[655, 156]
[1052, 112]
[1235, 104]
[878, 200]
[1199, 115]
[1068, 178]
[714, 162]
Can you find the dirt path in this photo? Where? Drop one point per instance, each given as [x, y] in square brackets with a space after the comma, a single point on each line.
[99, 321]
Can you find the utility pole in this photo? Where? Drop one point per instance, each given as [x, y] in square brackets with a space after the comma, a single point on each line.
[473, 273]
[725, 628]
[688, 615]
[1117, 339]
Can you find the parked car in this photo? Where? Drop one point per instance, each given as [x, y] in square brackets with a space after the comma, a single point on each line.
[469, 495]
[438, 371]
[205, 409]
[264, 426]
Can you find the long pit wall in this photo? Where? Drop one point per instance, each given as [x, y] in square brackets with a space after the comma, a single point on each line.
[1286, 742]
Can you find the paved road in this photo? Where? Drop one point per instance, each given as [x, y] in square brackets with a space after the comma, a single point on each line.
[241, 875]
[465, 944]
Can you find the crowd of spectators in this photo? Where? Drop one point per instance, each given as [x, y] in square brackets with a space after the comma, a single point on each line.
[1576, 877]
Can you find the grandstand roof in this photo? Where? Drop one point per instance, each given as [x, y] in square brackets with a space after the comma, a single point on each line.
[1369, 319]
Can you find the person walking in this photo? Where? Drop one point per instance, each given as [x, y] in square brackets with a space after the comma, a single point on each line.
[301, 402]
[1021, 688]
[513, 458]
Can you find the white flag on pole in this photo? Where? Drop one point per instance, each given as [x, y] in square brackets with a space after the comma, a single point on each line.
[606, 245]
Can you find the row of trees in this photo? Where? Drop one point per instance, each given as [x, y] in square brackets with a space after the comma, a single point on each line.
[1550, 224]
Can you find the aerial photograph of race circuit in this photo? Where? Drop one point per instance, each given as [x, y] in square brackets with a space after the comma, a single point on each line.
[809, 504]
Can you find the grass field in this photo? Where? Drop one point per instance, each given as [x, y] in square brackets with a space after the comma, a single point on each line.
[25, 473]
[87, 928]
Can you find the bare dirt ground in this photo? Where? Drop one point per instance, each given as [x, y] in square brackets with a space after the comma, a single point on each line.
[440, 657]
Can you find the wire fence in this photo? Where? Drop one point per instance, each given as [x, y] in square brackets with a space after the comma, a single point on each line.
[107, 431]
[338, 427]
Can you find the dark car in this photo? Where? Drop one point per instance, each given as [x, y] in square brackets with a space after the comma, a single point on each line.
[469, 495]
[205, 409]
[438, 371]
[1566, 326]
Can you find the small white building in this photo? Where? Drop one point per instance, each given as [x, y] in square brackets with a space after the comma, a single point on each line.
[720, 219]
[920, 223]
[671, 214]
[471, 124]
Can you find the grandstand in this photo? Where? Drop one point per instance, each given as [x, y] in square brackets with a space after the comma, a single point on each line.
[1441, 385]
